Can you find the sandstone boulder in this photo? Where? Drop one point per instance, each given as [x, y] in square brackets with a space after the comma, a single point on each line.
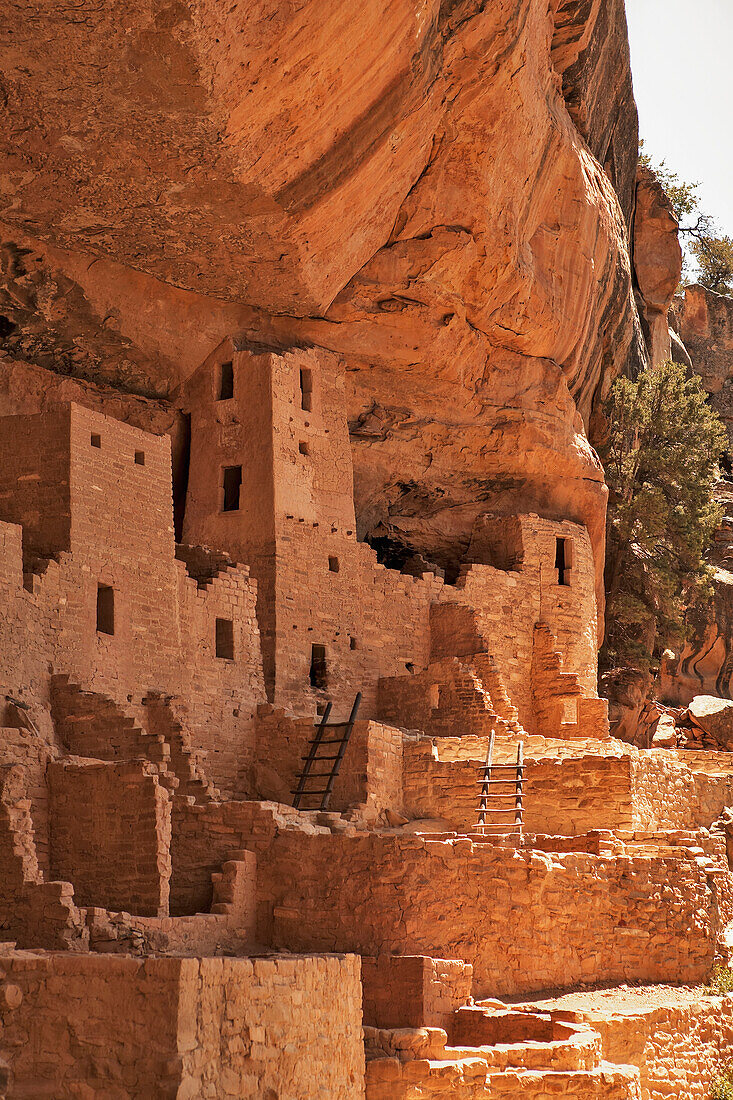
[715, 718]
[665, 735]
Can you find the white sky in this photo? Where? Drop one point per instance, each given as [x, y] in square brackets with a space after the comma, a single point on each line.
[682, 63]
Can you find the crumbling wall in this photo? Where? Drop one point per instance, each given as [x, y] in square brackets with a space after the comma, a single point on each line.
[218, 695]
[111, 834]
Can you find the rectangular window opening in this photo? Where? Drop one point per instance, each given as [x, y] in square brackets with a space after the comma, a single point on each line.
[333, 565]
[96, 440]
[304, 448]
[140, 458]
[353, 643]
[318, 670]
[105, 609]
[226, 381]
[563, 555]
[232, 481]
[225, 639]
[306, 389]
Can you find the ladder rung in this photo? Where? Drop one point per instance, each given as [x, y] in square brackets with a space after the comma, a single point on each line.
[318, 759]
[328, 741]
[496, 810]
[317, 775]
[503, 767]
[308, 794]
[504, 782]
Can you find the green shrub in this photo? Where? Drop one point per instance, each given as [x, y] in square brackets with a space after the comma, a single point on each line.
[721, 982]
[660, 458]
[722, 1087]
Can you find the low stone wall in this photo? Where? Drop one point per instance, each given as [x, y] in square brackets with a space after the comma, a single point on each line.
[679, 1049]
[679, 1039]
[566, 795]
[525, 920]
[204, 1028]
[669, 795]
[562, 797]
[413, 990]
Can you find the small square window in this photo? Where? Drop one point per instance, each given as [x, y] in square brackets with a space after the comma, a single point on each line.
[226, 381]
[304, 448]
[225, 639]
[333, 565]
[352, 643]
[105, 609]
[96, 440]
[232, 483]
[140, 458]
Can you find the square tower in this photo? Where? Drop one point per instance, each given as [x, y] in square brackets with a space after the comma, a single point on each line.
[269, 449]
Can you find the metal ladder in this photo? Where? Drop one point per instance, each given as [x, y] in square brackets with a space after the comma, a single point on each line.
[491, 814]
[334, 759]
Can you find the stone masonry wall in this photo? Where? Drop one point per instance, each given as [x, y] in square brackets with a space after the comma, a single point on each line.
[561, 798]
[679, 1048]
[218, 697]
[121, 535]
[565, 795]
[204, 1028]
[413, 990]
[280, 1027]
[372, 621]
[521, 918]
[509, 603]
[370, 774]
[111, 834]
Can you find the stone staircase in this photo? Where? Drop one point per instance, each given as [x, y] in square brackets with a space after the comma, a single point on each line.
[92, 725]
[494, 1052]
[489, 683]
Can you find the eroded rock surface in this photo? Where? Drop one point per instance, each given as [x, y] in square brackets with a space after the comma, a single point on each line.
[705, 321]
[657, 261]
[440, 192]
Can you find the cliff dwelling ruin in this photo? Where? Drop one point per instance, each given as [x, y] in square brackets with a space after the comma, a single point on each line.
[307, 792]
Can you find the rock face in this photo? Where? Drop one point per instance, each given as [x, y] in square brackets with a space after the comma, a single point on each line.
[657, 261]
[705, 322]
[439, 192]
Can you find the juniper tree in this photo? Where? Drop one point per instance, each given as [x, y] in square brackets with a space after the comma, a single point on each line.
[660, 459]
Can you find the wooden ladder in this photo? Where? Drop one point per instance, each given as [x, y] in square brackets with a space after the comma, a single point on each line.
[333, 758]
[491, 813]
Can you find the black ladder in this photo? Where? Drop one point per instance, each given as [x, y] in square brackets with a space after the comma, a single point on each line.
[333, 759]
[492, 809]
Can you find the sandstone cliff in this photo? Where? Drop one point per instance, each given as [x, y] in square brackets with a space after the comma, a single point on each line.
[439, 191]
